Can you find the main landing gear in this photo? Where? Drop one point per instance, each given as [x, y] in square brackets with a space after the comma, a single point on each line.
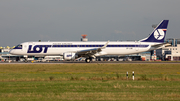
[88, 60]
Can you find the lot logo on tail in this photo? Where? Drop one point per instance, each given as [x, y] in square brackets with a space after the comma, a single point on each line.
[159, 34]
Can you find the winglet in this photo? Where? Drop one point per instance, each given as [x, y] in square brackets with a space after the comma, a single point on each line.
[105, 45]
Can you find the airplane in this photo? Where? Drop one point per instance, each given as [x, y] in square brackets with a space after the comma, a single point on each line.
[73, 50]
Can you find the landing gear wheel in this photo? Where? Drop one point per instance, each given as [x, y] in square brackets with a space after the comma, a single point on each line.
[88, 60]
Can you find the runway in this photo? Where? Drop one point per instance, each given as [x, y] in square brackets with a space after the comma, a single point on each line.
[97, 62]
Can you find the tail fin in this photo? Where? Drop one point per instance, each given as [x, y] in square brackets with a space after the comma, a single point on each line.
[158, 34]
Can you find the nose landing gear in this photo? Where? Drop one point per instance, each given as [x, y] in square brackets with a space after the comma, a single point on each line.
[25, 58]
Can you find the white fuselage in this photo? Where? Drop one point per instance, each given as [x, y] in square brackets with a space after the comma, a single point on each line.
[58, 48]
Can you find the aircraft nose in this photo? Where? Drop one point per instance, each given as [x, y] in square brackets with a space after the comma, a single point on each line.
[11, 51]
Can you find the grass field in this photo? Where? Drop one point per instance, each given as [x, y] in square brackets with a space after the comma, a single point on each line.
[52, 82]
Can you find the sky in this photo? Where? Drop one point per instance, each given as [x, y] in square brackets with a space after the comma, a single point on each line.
[101, 20]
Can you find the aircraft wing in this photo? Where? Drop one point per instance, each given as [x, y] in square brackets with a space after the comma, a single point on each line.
[90, 52]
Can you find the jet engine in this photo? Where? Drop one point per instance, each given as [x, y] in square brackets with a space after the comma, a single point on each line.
[69, 56]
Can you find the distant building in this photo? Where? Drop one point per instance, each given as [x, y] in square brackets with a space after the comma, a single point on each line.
[171, 53]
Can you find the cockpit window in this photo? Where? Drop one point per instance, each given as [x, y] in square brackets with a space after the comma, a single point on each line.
[18, 47]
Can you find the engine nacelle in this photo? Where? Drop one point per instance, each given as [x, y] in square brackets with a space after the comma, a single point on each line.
[69, 56]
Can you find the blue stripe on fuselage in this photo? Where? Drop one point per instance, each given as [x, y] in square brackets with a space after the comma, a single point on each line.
[142, 46]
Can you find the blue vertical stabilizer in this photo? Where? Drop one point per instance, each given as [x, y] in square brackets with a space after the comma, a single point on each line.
[158, 34]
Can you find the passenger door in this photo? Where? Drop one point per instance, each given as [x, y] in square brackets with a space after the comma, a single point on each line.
[137, 45]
